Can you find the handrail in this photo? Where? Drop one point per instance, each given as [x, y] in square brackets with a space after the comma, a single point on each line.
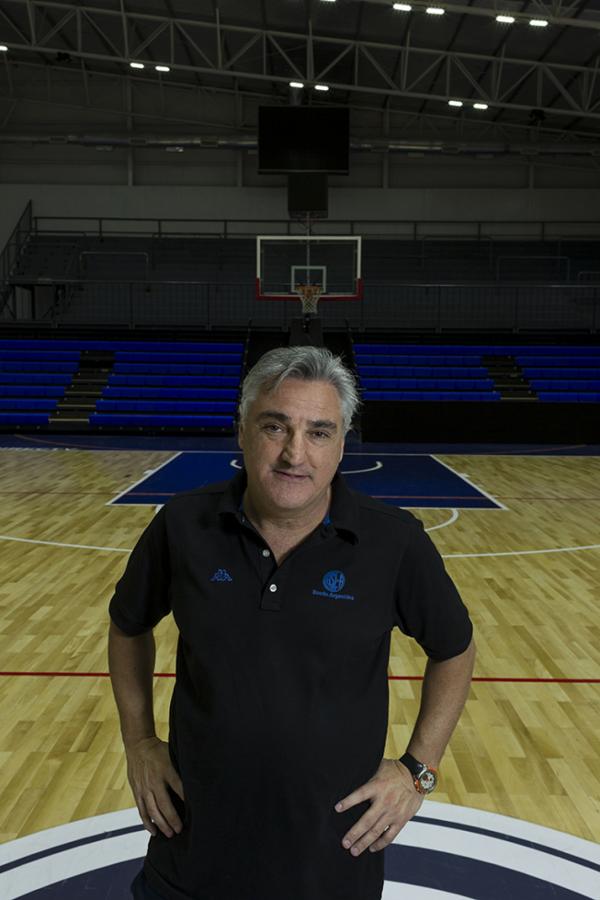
[23, 226]
[409, 228]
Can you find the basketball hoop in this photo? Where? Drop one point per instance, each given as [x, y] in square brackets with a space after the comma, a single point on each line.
[309, 297]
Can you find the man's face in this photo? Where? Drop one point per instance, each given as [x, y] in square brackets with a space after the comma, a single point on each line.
[293, 441]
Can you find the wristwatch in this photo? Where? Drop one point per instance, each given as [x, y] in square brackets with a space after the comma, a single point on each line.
[424, 777]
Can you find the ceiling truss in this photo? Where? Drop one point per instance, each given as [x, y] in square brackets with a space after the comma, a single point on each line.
[260, 62]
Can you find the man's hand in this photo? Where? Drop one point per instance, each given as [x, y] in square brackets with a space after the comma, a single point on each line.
[150, 771]
[394, 801]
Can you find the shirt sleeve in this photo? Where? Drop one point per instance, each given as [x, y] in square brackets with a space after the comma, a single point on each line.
[141, 598]
[428, 605]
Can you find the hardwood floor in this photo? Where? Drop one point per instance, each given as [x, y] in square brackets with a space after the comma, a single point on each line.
[529, 749]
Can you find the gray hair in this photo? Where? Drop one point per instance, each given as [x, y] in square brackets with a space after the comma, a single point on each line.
[305, 364]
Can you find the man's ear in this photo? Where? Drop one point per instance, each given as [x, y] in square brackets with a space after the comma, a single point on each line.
[240, 436]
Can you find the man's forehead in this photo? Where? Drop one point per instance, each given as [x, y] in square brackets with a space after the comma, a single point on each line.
[301, 399]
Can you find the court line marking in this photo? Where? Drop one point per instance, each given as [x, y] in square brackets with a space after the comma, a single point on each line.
[471, 484]
[140, 480]
[453, 821]
[449, 521]
[520, 552]
[234, 463]
[8, 537]
[483, 679]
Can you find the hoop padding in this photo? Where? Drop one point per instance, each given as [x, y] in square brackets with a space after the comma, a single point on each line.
[310, 295]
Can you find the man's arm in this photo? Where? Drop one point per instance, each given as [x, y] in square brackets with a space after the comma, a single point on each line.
[149, 767]
[443, 696]
[391, 790]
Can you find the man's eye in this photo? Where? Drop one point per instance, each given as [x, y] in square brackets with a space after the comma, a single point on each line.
[320, 434]
[272, 427]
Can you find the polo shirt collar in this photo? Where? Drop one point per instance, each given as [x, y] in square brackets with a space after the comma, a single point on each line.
[343, 514]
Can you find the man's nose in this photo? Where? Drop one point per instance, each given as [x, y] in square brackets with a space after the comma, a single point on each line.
[293, 450]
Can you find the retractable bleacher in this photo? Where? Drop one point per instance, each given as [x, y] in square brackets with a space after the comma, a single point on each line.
[145, 384]
[423, 373]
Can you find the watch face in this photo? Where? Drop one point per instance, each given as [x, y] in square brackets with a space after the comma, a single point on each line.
[428, 781]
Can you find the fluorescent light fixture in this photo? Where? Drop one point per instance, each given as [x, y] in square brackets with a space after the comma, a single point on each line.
[3, 48]
[480, 106]
[327, 1]
[162, 68]
[321, 87]
[297, 84]
[174, 148]
[402, 7]
[435, 11]
[508, 20]
[538, 23]
[455, 103]
[135, 65]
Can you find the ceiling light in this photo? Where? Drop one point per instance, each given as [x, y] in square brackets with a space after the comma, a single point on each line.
[162, 68]
[508, 20]
[296, 84]
[435, 11]
[3, 48]
[136, 65]
[402, 7]
[480, 106]
[538, 23]
[455, 103]
[321, 87]
[175, 148]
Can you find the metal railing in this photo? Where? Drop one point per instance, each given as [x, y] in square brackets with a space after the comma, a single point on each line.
[448, 229]
[402, 307]
[12, 251]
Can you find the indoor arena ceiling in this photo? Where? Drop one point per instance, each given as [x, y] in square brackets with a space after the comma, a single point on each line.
[410, 76]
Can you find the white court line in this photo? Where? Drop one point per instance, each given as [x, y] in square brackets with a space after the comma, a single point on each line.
[470, 483]
[139, 481]
[235, 464]
[449, 521]
[9, 537]
[537, 852]
[520, 552]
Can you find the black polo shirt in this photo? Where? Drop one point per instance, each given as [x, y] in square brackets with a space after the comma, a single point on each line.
[280, 705]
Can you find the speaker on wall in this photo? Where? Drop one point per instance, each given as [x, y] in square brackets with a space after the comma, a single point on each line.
[308, 195]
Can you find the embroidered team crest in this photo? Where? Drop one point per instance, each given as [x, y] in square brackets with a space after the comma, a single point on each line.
[221, 575]
[334, 581]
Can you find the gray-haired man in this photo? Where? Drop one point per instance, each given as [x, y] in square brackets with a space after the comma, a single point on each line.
[285, 586]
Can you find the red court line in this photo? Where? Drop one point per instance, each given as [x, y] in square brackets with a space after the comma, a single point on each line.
[390, 677]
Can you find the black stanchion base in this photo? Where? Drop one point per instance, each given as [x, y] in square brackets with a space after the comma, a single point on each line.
[306, 331]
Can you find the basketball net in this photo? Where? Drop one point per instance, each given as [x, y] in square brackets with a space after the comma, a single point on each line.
[309, 297]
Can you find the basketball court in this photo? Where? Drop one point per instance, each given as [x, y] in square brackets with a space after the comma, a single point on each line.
[518, 811]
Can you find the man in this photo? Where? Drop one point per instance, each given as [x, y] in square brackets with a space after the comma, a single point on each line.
[285, 586]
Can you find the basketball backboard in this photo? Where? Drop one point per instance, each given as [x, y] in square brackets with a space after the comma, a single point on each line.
[283, 262]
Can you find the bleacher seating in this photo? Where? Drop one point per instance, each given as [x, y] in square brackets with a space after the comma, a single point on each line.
[33, 378]
[162, 384]
[412, 372]
[442, 372]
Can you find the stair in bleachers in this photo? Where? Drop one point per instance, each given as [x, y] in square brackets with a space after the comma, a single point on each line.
[80, 398]
[508, 378]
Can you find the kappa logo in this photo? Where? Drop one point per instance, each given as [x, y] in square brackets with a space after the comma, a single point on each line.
[221, 575]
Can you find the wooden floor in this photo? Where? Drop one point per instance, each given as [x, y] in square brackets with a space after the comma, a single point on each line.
[525, 749]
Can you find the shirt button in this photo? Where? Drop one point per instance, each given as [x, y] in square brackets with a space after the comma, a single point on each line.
[266, 552]
[272, 588]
